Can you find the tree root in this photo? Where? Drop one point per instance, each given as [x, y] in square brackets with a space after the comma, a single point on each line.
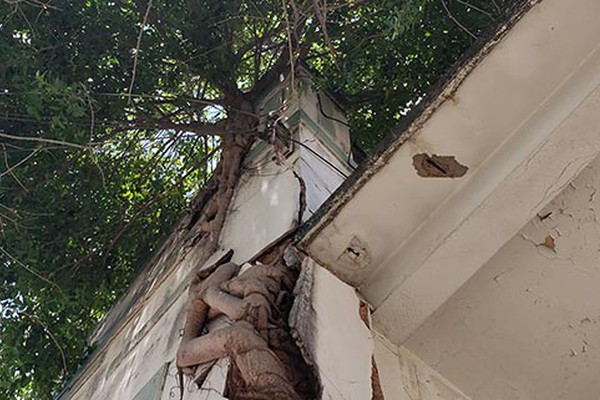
[265, 362]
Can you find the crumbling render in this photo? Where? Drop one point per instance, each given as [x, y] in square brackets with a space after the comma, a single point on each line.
[265, 363]
[434, 166]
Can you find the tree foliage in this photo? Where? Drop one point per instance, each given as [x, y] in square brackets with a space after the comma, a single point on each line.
[112, 114]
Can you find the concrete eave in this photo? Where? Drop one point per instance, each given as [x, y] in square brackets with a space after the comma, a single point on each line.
[522, 116]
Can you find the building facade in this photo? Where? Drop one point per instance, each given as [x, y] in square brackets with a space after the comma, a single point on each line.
[460, 262]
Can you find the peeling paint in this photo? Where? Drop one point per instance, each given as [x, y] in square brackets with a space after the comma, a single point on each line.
[527, 325]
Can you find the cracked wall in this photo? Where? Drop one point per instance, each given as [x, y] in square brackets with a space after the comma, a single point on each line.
[527, 325]
[138, 340]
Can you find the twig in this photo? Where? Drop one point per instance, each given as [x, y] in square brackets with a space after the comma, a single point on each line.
[92, 117]
[102, 176]
[43, 140]
[170, 99]
[497, 6]
[14, 222]
[347, 4]
[9, 169]
[290, 45]
[474, 7]
[33, 34]
[322, 18]
[14, 166]
[163, 149]
[457, 22]
[51, 336]
[29, 269]
[137, 50]
[162, 97]
[41, 4]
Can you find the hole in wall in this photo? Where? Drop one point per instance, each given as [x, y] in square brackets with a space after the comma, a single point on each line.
[435, 166]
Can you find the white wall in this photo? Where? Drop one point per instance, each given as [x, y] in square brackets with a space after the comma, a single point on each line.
[403, 376]
[527, 325]
[326, 316]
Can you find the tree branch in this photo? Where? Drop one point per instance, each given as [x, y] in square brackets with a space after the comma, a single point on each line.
[474, 7]
[51, 336]
[283, 62]
[219, 128]
[29, 269]
[51, 141]
[322, 18]
[137, 50]
[21, 162]
[457, 22]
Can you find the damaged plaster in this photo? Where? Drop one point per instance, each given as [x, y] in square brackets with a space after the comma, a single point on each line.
[434, 166]
[268, 202]
[326, 319]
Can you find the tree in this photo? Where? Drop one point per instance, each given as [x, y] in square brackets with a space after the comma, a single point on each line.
[114, 114]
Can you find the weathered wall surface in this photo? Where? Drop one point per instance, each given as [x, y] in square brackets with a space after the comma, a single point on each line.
[522, 116]
[138, 340]
[527, 325]
[339, 343]
[352, 361]
[144, 343]
[404, 376]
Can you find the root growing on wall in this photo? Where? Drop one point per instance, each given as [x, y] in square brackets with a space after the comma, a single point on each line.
[265, 362]
[240, 313]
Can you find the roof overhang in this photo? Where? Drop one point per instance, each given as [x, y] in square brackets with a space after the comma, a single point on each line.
[522, 116]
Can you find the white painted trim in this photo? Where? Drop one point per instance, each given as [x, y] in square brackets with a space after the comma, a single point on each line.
[525, 122]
